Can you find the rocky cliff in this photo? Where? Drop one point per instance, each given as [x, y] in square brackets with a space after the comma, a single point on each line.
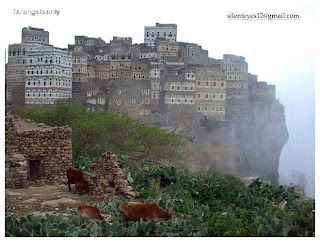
[249, 146]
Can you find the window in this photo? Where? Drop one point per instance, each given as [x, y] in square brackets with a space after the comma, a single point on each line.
[199, 95]
[198, 83]
[207, 83]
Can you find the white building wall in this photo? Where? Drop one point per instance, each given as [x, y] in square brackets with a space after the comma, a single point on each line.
[167, 31]
[48, 74]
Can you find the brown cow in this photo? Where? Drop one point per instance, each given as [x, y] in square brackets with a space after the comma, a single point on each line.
[86, 211]
[146, 211]
[76, 177]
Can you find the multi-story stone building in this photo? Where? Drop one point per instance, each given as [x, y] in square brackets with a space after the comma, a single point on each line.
[32, 35]
[236, 70]
[166, 31]
[193, 54]
[211, 92]
[167, 50]
[15, 70]
[37, 73]
[48, 75]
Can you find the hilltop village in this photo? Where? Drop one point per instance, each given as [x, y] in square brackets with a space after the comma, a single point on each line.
[160, 81]
[230, 120]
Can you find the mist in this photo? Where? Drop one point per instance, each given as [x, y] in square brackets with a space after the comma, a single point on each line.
[298, 154]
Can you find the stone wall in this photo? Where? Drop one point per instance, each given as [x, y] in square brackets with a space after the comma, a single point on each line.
[36, 153]
[16, 171]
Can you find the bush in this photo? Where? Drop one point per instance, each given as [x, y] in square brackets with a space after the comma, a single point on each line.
[94, 133]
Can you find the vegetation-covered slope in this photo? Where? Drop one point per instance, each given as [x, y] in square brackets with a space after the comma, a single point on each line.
[204, 203]
[94, 133]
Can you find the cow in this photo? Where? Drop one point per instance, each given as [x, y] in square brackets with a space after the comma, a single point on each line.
[86, 211]
[76, 177]
[146, 211]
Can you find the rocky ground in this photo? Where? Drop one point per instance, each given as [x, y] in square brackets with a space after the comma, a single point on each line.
[38, 200]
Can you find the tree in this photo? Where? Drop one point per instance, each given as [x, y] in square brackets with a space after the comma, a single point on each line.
[299, 178]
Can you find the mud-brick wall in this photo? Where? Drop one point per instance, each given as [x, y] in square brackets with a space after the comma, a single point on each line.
[51, 146]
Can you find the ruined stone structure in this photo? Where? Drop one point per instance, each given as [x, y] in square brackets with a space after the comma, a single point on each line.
[107, 179]
[35, 153]
[41, 70]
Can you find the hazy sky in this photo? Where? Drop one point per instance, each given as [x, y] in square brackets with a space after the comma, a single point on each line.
[281, 52]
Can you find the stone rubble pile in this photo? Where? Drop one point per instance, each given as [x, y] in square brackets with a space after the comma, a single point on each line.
[107, 179]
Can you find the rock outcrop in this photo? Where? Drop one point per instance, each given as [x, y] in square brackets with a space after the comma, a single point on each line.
[250, 146]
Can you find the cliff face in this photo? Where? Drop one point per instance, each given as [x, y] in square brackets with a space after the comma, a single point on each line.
[247, 146]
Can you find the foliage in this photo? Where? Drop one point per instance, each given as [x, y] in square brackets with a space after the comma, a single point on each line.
[94, 133]
[204, 204]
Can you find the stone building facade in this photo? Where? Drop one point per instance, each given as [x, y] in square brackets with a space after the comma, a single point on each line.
[35, 153]
[15, 69]
[156, 83]
[152, 82]
[41, 70]
[48, 75]
[193, 54]
[166, 31]
[32, 35]
[211, 92]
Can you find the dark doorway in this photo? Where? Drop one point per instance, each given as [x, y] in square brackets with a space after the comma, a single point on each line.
[34, 169]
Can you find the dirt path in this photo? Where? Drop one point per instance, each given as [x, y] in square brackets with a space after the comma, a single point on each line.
[53, 199]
